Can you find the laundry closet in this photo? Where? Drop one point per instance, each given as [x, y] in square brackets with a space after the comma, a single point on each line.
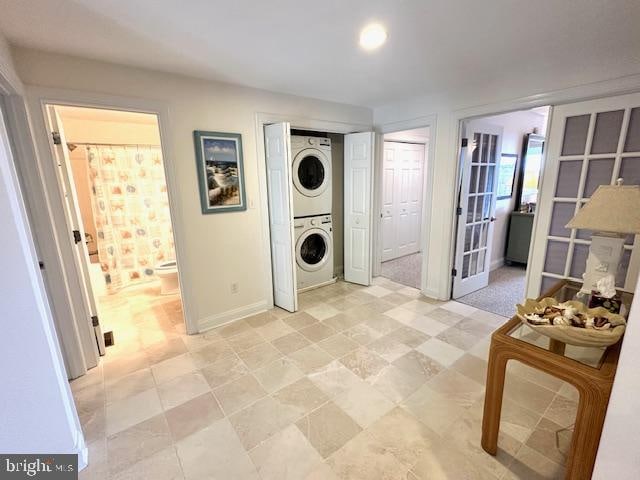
[318, 233]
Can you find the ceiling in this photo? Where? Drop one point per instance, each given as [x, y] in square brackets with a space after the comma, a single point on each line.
[106, 115]
[310, 48]
[415, 135]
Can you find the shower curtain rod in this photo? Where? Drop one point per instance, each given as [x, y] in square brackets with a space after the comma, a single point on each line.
[115, 144]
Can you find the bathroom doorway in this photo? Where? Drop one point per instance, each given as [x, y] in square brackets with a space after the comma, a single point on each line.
[112, 174]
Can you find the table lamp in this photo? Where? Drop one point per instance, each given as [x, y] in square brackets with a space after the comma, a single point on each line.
[612, 212]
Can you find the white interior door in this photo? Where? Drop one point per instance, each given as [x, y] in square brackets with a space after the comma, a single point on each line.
[277, 141]
[590, 144]
[477, 206]
[74, 218]
[358, 180]
[402, 180]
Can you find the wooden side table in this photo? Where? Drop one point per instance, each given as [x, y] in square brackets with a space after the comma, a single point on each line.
[593, 380]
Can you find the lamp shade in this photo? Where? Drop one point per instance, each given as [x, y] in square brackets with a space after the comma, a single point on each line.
[612, 208]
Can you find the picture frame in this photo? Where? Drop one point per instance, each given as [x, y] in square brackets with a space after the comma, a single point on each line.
[219, 163]
[506, 175]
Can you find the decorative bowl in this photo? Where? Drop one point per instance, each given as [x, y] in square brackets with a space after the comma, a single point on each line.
[569, 334]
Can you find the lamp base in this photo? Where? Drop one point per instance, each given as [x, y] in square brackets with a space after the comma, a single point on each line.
[604, 256]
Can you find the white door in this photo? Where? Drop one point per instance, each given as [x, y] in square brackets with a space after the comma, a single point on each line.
[402, 180]
[74, 218]
[477, 206]
[358, 180]
[590, 144]
[277, 144]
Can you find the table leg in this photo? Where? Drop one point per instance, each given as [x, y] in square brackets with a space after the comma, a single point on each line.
[493, 400]
[556, 346]
[592, 408]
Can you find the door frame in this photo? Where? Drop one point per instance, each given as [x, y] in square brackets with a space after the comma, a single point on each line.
[430, 122]
[296, 122]
[45, 177]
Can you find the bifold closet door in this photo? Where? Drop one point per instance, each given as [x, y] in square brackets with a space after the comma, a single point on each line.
[277, 141]
[590, 144]
[402, 179]
[358, 181]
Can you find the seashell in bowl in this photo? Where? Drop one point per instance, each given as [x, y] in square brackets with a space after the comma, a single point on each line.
[572, 322]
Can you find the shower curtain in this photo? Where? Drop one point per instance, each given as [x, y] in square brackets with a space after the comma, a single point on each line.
[131, 212]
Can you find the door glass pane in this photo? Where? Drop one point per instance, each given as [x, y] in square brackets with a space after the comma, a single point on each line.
[481, 254]
[632, 142]
[556, 257]
[485, 231]
[475, 156]
[471, 209]
[485, 148]
[561, 214]
[491, 170]
[467, 238]
[607, 132]
[465, 266]
[473, 181]
[568, 178]
[476, 236]
[575, 135]
[579, 260]
[482, 180]
[479, 202]
[547, 283]
[494, 148]
[311, 172]
[598, 173]
[486, 212]
[630, 170]
[474, 262]
[623, 267]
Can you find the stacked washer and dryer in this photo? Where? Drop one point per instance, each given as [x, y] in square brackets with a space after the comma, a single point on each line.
[312, 202]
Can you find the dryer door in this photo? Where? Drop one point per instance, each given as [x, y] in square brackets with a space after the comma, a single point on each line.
[311, 172]
[313, 249]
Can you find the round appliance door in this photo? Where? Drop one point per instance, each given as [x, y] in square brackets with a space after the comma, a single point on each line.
[313, 249]
[311, 172]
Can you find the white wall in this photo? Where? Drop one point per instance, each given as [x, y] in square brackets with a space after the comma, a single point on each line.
[224, 248]
[515, 125]
[38, 415]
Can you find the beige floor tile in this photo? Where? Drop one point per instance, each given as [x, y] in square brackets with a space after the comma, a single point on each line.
[338, 345]
[427, 325]
[472, 367]
[481, 349]
[302, 395]
[239, 393]
[527, 394]
[551, 440]
[363, 362]
[364, 458]
[534, 375]
[328, 428]
[224, 370]
[418, 306]
[531, 464]
[163, 465]
[310, 358]
[322, 471]
[446, 462]
[376, 291]
[317, 332]
[343, 321]
[475, 326]
[440, 351]
[124, 365]
[170, 348]
[569, 391]
[408, 336]
[182, 388]
[290, 343]
[193, 415]
[132, 410]
[232, 329]
[260, 319]
[137, 443]
[90, 399]
[395, 383]
[562, 411]
[363, 403]
[433, 409]
[322, 311]
[334, 379]
[128, 385]
[396, 297]
[382, 323]
[300, 320]
[98, 467]
[94, 425]
[445, 316]
[211, 353]
[403, 435]
[416, 363]
[195, 342]
[458, 338]
[362, 334]
[459, 389]
[459, 308]
[404, 315]
[274, 330]
[245, 341]
[278, 374]
[260, 355]
[172, 368]
[389, 348]
[215, 452]
[261, 420]
[287, 455]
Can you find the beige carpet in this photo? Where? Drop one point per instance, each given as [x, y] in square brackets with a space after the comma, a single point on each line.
[405, 270]
[505, 290]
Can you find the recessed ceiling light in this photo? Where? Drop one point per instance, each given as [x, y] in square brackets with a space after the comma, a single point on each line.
[372, 36]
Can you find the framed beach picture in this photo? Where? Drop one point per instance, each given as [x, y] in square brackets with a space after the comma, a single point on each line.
[506, 175]
[220, 171]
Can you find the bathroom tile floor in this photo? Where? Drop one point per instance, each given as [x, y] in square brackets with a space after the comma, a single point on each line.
[364, 383]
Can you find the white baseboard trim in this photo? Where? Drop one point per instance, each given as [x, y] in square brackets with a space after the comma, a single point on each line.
[431, 293]
[229, 316]
[497, 263]
[81, 450]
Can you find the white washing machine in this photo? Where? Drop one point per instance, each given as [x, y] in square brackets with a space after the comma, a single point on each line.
[314, 251]
[311, 171]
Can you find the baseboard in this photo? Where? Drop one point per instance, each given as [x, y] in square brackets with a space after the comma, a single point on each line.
[497, 263]
[427, 292]
[81, 450]
[323, 284]
[229, 316]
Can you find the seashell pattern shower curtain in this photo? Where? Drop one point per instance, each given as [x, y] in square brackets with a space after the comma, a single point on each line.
[131, 212]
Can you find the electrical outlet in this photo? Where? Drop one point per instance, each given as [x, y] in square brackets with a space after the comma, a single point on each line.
[234, 288]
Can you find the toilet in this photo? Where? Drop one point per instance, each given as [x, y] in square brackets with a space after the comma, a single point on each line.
[167, 272]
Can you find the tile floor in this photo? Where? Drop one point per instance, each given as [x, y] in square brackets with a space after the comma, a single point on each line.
[361, 383]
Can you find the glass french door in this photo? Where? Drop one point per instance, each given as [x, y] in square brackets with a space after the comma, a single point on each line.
[477, 206]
